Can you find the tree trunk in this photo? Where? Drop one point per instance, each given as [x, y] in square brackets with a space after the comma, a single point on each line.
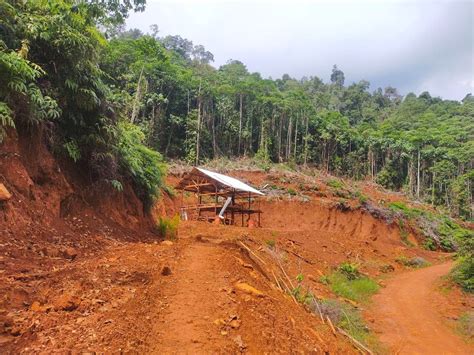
[138, 94]
[433, 188]
[306, 143]
[279, 139]
[296, 138]
[198, 123]
[214, 149]
[240, 123]
[288, 139]
[152, 125]
[418, 176]
[410, 176]
[188, 102]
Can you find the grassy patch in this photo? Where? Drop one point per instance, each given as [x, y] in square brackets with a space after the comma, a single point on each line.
[168, 227]
[465, 326]
[441, 232]
[408, 212]
[359, 289]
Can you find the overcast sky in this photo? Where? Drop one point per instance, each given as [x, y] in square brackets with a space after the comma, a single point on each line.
[412, 45]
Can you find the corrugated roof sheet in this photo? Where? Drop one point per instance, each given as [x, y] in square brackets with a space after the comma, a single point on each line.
[230, 181]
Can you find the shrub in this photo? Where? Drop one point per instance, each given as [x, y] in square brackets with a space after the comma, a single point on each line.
[291, 192]
[343, 316]
[145, 166]
[335, 184]
[429, 244]
[441, 232]
[168, 227]
[270, 243]
[404, 233]
[169, 190]
[361, 197]
[299, 293]
[351, 271]
[466, 325]
[415, 262]
[463, 273]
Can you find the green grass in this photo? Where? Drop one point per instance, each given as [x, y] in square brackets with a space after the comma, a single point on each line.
[358, 289]
[465, 326]
[405, 210]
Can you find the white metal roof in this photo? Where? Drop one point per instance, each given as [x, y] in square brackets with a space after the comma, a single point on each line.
[230, 181]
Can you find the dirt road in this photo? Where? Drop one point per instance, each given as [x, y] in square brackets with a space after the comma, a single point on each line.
[408, 318]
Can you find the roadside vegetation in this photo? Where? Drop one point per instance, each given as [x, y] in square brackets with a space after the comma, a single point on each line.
[345, 316]
[465, 326]
[348, 282]
[415, 262]
[441, 232]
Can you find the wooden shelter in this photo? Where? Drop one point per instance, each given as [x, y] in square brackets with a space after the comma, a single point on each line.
[218, 196]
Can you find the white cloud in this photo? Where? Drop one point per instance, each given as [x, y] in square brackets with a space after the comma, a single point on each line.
[414, 45]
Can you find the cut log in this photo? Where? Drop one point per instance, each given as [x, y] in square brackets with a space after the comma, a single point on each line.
[4, 193]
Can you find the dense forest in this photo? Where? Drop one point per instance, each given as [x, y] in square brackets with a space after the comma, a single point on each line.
[117, 101]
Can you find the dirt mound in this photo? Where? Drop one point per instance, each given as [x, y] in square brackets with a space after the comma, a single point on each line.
[54, 218]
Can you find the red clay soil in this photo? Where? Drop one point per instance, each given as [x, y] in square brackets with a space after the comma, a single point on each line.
[80, 269]
[408, 315]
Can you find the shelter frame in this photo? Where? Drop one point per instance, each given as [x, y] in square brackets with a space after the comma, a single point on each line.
[211, 190]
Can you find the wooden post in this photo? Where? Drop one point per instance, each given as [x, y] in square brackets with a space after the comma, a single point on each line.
[199, 202]
[215, 202]
[233, 204]
[259, 214]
